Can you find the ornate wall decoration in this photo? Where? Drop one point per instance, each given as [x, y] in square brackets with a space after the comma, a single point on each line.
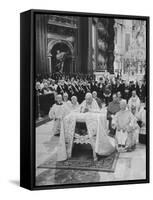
[105, 44]
[62, 33]
[136, 53]
[90, 42]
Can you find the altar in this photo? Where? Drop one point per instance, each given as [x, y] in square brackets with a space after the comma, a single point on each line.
[98, 75]
[97, 136]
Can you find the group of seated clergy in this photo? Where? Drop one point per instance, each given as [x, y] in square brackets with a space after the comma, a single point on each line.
[123, 117]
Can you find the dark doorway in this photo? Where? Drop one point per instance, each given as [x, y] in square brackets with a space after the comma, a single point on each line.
[66, 58]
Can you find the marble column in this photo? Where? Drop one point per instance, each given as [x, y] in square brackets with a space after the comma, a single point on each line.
[90, 70]
[111, 32]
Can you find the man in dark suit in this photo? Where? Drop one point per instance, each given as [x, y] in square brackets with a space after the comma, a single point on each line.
[60, 88]
[126, 93]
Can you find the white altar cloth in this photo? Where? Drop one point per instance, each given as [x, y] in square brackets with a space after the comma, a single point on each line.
[96, 124]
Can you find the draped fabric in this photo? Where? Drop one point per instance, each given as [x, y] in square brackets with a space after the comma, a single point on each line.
[96, 124]
[74, 107]
[67, 106]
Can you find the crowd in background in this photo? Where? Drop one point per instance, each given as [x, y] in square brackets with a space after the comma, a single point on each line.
[79, 84]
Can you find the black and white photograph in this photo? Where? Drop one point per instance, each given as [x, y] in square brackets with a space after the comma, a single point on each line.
[76, 100]
[90, 99]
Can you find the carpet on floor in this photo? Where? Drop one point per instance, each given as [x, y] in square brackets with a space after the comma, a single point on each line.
[82, 159]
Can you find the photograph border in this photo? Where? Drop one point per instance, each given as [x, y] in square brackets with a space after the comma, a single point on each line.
[27, 99]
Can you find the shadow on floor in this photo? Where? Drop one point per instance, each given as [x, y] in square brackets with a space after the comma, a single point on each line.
[15, 182]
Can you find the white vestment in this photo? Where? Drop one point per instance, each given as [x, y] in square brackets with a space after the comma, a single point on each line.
[93, 107]
[57, 113]
[74, 107]
[67, 105]
[134, 102]
[126, 128]
[142, 118]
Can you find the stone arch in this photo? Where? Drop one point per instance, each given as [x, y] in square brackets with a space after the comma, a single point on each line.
[51, 60]
[54, 42]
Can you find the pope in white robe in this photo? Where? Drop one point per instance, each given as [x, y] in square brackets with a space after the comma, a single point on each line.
[126, 125]
[89, 104]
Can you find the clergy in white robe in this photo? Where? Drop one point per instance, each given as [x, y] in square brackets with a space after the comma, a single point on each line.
[89, 104]
[125, 123]
[137, 128]
[67, 103]
[142, 118]
[74, 104]
[57, 113]
[134, 102]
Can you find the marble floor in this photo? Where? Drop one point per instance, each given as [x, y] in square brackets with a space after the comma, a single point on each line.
[130, 166]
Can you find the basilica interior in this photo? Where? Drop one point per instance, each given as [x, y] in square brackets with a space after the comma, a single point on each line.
[87, 48]
[90, 45]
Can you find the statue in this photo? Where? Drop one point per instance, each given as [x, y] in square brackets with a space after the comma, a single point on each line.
[60, 57]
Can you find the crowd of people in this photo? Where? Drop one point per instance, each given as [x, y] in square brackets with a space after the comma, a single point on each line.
[78, 85]
[122, 99]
